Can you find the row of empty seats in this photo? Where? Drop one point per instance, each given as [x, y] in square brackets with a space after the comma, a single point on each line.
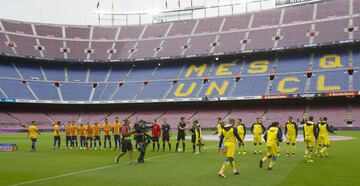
[258, 75]
[338, 115]
[283, 63]
[328, 22]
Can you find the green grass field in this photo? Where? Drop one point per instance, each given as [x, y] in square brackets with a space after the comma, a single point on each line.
[90, 167]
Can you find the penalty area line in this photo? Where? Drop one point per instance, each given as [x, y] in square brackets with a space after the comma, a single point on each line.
[91, 170]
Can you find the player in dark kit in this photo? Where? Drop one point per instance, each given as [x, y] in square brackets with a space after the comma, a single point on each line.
[155, 131]
[165, 129]
[193, 136]
[181, 134]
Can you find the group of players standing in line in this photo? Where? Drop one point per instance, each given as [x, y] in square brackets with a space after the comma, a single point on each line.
[315, 135]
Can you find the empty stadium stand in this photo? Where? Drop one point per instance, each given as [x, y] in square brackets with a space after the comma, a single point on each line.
[323, 23]
[306, 52]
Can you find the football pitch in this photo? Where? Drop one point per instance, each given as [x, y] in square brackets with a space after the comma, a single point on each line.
[97, 167]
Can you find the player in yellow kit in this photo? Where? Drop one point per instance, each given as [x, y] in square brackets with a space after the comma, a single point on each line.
[323, 130]
[67, 134]
[97, 134]
[273, 136]
[116, 132]
[74, 133]
[90, 135]
[198, 137]
[56, 127]
[242, 132]
[291, 131]
[82, 136]
[106, 128]
[229, 136]
[309, 138]
[32, 134]
[257, 129]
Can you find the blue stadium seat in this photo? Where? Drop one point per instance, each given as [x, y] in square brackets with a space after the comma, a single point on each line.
[54, 72]
[325, 60]
[106, 93]
[223, 84]
[15, 89]
[7, 70]
[76, 72]
[186, 91]
[141, 72]
[44, 90]
[168, 71]
[251, 86]
[98, 73]
[258, 65]
[191, 67]
[30, 70]
[294, 83]
[356, 81]
[154, 90]
[334, 81]
[76, 91]
[293, 63]
[226, 68]
[119, 73]
[127, 91]
[98, 91]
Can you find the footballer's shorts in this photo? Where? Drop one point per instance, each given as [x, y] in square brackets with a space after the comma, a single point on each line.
[272, 151]
[82, 138]
[324, 140]
[155, 138]
[89, 138]
[309, 142]
[181, 136]
[68, 138]
[166, 137]
[97, 138]
[33, 140]
[230, 149]
[290, 139]
[56, 138]
[126, 146]
[116, 137]
[257, 138]
[74, 138]
[107, 137]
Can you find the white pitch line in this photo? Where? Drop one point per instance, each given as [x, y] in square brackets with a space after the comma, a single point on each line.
[90, 170]
[82, 171]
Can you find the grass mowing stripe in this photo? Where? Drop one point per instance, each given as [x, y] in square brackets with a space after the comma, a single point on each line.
[90, 170]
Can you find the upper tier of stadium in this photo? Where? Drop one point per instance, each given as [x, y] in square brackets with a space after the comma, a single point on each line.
[315, 24]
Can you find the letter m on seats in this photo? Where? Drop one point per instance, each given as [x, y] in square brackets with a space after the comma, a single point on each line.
[199, 70]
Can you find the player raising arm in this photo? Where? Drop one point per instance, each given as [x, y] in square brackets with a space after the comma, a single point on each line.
[272, 138]
[32, 134]
[323, 130]
[229, 135]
